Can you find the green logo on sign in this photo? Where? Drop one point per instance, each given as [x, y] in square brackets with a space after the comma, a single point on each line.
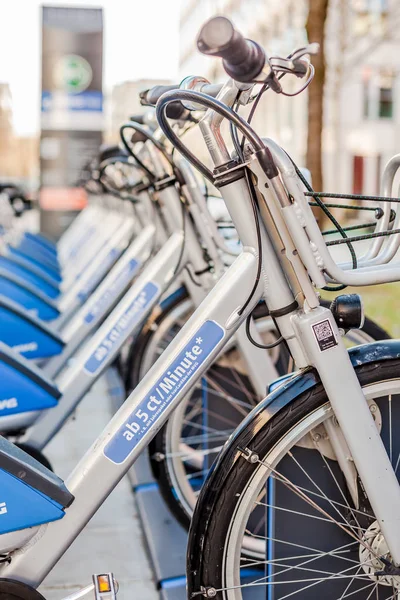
[73, 73]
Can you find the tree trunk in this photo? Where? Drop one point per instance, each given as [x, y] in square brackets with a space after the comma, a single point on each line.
[315, 27]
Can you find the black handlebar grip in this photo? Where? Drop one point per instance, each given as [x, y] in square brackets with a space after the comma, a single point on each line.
[153, 94]
[176, 110]
[108, 151]
[138, 136]
[137, 119]
[243, 59]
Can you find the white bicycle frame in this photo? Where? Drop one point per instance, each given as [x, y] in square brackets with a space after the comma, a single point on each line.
[130, 313]
[193, 350]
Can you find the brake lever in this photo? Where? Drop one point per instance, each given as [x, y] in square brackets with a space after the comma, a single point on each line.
[311, 49]
[294, 64]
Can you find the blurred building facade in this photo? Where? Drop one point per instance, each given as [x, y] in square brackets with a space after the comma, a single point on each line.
[124, 102]
[19, 156]
[362, 89]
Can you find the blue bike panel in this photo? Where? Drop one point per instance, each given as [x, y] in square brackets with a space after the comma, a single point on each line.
[43, 286]
[171, 382]
[29, 261]
[25, 336]
[41, 240]
[99, 274]
[127, 322]
[27, 298]
[38, 253]
[113, 291]
[34, 244]
[19, 393]
[22, 506]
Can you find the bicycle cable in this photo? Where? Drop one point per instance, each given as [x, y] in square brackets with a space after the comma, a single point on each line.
[254, 201]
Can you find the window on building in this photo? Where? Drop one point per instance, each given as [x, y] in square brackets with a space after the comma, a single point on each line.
[369, 15]
[364, 6]
[385, 109]
[378, 97]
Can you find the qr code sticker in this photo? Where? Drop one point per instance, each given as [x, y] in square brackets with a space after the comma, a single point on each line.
[323, 330]
[324, 335]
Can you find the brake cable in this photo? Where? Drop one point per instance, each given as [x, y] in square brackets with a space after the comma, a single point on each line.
[254, 201]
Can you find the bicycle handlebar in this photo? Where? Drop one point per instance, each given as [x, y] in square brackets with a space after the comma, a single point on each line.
[111, 151]
[152, 95]
[137, 119]
[243, 59]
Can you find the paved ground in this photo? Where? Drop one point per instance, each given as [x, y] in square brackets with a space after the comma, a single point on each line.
[112, 541]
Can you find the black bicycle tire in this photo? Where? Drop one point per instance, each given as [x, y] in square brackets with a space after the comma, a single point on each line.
[217, 501]
[156, 450]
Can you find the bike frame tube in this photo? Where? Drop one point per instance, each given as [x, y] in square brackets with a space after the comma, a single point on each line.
[260, 367]
[356, 422]
[81, 289]
[99, 471]
[76, 381]
[82, 257]
[95, 476]
[113, 286]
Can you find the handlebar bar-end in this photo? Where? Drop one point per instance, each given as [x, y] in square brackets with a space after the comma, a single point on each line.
[243, 59]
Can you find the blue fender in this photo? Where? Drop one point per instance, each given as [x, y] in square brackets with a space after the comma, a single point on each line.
[40, 255]
[15, 497]
[302, 381]
[46, 287]
[31, 262]
[168, 300]
[41, 240]
[26, 295]
[32, 245]
[24, 388]
[24, 482]
[281, 396]
[25, 333]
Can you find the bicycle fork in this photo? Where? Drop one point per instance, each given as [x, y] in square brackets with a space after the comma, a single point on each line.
[322, 344]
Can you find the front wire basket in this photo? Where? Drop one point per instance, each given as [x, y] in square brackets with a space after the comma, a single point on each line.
[378, 213]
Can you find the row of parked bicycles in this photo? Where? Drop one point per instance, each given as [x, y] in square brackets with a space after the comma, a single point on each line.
[269, 414]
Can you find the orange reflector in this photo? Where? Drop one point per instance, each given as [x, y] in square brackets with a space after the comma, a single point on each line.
[103, 582]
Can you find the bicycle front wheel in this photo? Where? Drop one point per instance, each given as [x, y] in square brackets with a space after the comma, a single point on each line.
[314, 535]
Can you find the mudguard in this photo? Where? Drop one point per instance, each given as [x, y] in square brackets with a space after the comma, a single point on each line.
[24, 388]
[37, 255]
[48, 273]
[25, 333]
[26, 483]
[30, 246]
[279, 398]
[46, 287]
[41, 240]
[26, 295]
